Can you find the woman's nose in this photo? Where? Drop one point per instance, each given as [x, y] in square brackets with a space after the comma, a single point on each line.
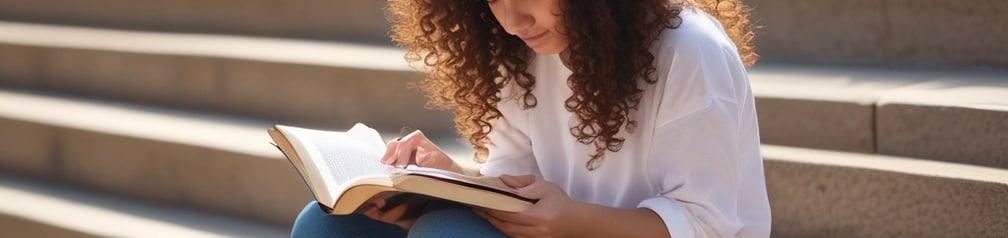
[517, 19]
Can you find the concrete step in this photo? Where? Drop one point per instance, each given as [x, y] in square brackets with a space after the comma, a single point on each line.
[223, 165]
[953, 116]
[817, 193]
[291, 81]
[360, 21]
[883, 33]
[203, 162]
[199, 161]
[331, 85]
[40, 209]
[860, 32]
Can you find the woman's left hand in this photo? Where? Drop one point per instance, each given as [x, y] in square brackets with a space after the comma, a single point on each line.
[552, 216]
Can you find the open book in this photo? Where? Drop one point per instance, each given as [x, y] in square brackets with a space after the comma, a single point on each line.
[343, 171]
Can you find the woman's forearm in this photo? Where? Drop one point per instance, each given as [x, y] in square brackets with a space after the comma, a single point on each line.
[595, 220]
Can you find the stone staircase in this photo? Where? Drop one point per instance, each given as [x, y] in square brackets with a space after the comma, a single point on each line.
[138, 119]
[360, 21]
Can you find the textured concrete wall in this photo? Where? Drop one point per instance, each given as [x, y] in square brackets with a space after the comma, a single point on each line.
[954, 134]
[22, 227]
[194, 177]
[844, 126]
[953, 116]
[31, 152]
[924, 33]
[324, 96]
[811, 200]
[344, 20]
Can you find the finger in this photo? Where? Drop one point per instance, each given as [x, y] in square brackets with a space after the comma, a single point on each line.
[394, 150]
[424, 158]
[511, 217]
[379, 201]
[373, 207]
[390, 153]
[412, 136]
[498, 223]
[406, 153]
[392, 216]
[517, 181]
[509, 228]
[536, 190]
[374, 202]
[371, 212]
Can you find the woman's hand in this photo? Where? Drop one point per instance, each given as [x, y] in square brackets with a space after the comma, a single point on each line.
[378, 208]
[416, 149]
[553, 216]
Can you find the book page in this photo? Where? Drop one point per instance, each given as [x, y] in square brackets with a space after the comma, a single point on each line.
[338, 156]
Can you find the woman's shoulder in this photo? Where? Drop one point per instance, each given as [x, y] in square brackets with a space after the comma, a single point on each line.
[697, 62]
[698, 42]
[695, 32]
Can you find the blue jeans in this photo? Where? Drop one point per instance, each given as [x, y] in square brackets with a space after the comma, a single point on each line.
[449, 222]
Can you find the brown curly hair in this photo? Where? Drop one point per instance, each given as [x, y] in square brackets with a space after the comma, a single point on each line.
[470, 58]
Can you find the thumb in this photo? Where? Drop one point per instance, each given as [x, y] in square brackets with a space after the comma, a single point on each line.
[518, 181]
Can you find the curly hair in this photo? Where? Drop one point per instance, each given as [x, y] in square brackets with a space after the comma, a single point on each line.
[470, 58]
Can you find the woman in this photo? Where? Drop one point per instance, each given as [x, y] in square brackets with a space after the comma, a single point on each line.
[624, 118]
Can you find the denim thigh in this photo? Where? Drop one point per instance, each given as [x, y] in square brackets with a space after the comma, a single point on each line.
[313, 222]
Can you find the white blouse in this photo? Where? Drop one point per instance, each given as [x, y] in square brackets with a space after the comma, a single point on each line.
[694, 157]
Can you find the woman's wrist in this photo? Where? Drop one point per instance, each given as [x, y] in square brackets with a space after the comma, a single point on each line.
[583, 219]
[575, 218]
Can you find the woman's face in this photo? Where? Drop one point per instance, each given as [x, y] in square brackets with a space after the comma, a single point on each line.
[534, 21]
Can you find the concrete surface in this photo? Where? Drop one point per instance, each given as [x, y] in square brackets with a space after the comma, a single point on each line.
[817, 124]
[821, 107]
[328, 85]
[346, 20]
[291, 81]
[222, 164]
[955, 116]
[207, 162]
[38, 209]
[915, 33]
[962, 121]
[962, 135]
[816, 193]
[201, 161]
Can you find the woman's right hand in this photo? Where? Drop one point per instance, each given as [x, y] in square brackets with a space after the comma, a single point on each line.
[416, 149]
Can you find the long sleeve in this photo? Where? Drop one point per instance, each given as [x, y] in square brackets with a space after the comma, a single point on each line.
[702, 178]
[704, 158]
